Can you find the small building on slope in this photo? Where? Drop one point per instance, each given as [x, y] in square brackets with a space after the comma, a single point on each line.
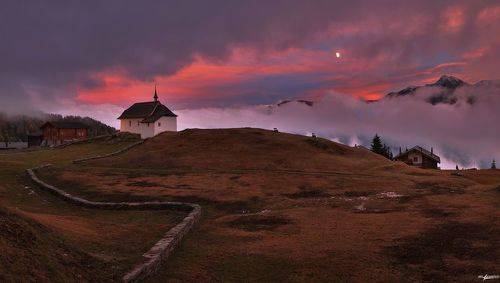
[419, 157]
[55, 133]
[148, 118]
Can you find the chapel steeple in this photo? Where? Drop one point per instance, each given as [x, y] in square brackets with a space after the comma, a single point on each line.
[155, 97]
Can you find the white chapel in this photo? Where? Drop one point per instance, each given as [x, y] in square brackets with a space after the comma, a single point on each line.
[148, 118]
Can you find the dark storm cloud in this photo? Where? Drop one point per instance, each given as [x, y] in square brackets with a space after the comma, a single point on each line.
[50, 48]
[57, 41]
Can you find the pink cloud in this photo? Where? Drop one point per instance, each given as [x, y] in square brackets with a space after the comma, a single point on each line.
[453, 19]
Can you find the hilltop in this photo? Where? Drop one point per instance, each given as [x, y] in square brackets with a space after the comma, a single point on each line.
[248, 148]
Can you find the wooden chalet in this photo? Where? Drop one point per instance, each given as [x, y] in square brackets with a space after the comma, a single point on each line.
[59, 132]
[419, 157]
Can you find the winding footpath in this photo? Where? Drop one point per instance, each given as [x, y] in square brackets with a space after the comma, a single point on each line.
[152, 260]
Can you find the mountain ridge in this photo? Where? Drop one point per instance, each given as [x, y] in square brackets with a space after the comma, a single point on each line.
[446, 90]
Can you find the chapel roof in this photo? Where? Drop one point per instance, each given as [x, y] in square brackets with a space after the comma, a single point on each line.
[149, 111]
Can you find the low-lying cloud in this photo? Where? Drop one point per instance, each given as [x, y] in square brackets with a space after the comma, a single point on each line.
[463, 134]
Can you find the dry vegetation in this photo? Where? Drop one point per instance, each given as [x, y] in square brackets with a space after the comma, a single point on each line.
[44, 239]
[281, 207]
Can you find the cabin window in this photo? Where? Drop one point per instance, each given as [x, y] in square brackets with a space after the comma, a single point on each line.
[415, 159]
[130, 123]
[159, 124]
[148, 124]
[138, 123]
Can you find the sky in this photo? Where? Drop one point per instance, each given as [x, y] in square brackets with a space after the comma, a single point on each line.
[96, 58]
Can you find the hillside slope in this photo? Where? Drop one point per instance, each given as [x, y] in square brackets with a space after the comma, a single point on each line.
[286, 208]
[30, 252]
[247, 148]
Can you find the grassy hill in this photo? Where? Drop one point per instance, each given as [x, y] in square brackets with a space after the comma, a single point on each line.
[282, 207]
[279, 207]
[226, 149]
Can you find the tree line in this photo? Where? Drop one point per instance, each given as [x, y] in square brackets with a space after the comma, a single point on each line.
[18, 127]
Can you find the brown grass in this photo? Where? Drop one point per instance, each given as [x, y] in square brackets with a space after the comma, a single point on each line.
[280, 207]
[44, 239]
[227, 149]
[31, 252]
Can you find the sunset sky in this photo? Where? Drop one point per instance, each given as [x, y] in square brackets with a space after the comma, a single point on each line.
[225, 53]
[222, 63]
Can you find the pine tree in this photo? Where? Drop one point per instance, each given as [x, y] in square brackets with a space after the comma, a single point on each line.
[381, 148]
[387, 152]
[493, 164]
[377, 145]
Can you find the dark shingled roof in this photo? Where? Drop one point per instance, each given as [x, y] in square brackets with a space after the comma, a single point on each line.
[421, 150]
[65, 125]
[148, 111]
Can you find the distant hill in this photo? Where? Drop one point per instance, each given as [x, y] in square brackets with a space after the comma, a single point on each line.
[449, 90]
[18, 127]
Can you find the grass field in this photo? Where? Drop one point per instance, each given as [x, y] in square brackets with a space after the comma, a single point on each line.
[280, 207]
[311, 210]
[46, 239]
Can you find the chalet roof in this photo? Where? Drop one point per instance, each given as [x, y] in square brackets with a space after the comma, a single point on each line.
[148, 111]
[421, 150]
[64, 125]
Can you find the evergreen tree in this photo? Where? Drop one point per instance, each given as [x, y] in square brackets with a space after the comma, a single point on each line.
[493, 164]
[381, 148]
[387, 152]
[377, 145]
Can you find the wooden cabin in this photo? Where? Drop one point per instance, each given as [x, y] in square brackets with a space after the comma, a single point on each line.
[55, 133]
[419, 157]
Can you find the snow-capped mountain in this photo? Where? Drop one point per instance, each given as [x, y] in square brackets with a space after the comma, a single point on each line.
[448, 82]
[450, 90]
